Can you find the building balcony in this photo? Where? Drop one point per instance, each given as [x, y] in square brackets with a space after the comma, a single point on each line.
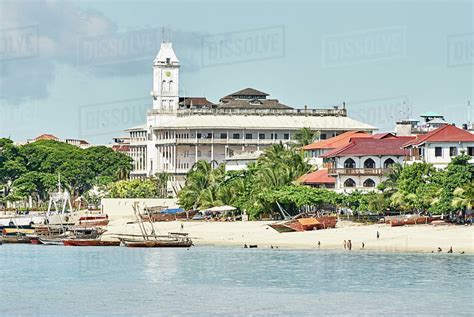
[359, 171]
[194, 141]
[245, 112]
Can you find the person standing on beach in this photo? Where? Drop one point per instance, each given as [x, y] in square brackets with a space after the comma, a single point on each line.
[378, 235]
[345, 244]
[349, 244]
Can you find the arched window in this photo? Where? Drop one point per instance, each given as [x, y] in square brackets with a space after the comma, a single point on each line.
[349, 163]
[349, 183]
[163, 85]
[369, 163]
[369, 183]
[170, 85]
[388, 163]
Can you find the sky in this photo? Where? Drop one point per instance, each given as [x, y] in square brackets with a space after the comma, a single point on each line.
[83, 69]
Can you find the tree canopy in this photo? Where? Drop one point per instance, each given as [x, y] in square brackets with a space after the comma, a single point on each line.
[32, 169]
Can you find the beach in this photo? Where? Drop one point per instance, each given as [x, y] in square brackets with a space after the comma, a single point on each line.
[416, 238]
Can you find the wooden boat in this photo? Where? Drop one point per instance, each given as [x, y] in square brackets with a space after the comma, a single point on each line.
[12, 235]
[93, 220]
[305, 224]
[90, 243]
[395, 222]
[281, 227]
[159, 243]
[51, 241]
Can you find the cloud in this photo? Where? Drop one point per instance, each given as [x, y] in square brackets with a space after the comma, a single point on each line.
[37, 35]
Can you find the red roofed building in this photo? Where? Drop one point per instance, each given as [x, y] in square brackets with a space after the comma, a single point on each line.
[439, 146]
[318, 148]
[364, 163]
[319, 179]
[46, 137]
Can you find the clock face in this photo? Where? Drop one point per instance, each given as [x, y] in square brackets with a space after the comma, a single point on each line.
[168, 74]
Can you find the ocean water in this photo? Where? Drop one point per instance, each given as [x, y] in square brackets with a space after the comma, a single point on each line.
[208, 281]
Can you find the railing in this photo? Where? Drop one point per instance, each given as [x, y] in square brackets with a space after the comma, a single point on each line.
[260, 112]
[179, 141]
[359, 171]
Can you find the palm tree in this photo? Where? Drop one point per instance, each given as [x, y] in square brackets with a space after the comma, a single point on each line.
[464, 197]
[305, 136]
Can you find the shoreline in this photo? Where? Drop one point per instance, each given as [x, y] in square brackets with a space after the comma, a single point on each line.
[416, 238]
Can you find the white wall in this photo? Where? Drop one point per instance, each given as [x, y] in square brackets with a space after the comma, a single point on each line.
[117, 208]
[443, 160]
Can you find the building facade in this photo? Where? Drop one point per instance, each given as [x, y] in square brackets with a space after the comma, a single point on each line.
[364, 163]
[440, 146]
[179, 131]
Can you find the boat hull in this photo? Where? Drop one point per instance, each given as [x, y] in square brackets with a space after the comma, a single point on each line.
[90, 243]
[158, 244]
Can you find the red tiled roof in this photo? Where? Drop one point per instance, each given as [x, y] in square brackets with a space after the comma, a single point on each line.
[46, 137]
[337, 141]
[385, 135]
[446, 133]
[376, 147]
[319, 177]
[120, 148]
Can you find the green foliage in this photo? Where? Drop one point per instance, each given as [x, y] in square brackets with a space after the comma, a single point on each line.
[32, 169]
[305, 136]
[247, 190]
[135, 188]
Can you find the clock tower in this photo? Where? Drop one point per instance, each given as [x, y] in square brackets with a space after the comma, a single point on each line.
[165, 91]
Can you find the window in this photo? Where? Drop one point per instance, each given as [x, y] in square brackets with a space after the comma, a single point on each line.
[470, 150]
[323, 136]
[199, 153]
[369, 183]
[168, 60]
[209, 135]
[349, 163]
[261, 136]
[273, 136]
[369, 163]
[388, 163]
[286, 136]
[438, 151]
[248, 136]
[349, 183]
[453, 151]
[199, 135]
[236, 136]
[223, 135]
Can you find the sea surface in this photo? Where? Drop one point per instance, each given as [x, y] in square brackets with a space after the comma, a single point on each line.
[207, 281]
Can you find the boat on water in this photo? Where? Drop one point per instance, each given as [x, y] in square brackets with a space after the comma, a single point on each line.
[50, 241]
[16, 235]
[152, 239]
[90, 243]
[159, 243]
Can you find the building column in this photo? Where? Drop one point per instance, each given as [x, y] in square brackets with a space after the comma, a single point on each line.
[196, 153]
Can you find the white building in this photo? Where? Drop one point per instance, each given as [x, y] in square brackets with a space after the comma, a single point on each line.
[180, 131]
[439, 146]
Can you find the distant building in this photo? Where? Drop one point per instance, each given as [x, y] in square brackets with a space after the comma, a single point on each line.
[79, 143]
[439, 146]
[179, 130]
[430, 121]
[365, 162]
[318, 179]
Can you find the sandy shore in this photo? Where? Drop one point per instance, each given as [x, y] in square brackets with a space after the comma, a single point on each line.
[419, 238]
